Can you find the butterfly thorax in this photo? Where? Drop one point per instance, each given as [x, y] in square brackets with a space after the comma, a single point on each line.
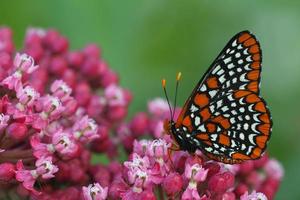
[179, 135]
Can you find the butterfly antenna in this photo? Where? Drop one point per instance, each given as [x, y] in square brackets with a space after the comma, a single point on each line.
[178, 77]
[164, 87]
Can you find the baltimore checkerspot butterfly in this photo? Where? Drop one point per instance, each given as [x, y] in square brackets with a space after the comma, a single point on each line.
[225, 117]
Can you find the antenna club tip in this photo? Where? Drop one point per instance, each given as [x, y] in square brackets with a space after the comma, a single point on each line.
[178, 77]
[163, 82]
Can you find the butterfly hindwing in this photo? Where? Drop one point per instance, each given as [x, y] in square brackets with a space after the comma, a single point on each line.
[237, 129]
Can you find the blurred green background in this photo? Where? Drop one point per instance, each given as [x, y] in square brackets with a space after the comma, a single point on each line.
[145, 41]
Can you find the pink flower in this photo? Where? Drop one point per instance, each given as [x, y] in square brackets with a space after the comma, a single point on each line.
[94, 192]
[137, 162]
[173, 183]
[24, 63]
[3, 121]
[27, 97]
[45, 167]
[274, 169]
[41, 149]
[64, 144]
[6, 43]
[254, 196]
[17, 131]
[221, 182]
[159, 150]
[52, 107]
[195, 173]
[140, 147]
[13, 81]
[7, 172]
[26, 177]
[85, 129]
[158, 107]
[115, 95]
[61, 90]
[190, 194]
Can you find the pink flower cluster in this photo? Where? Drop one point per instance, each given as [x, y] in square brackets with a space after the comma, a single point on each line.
[59, 108]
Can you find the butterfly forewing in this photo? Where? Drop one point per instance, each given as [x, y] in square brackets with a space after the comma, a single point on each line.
[224, 114]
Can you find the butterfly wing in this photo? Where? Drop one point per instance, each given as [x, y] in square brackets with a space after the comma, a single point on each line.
[237, 68]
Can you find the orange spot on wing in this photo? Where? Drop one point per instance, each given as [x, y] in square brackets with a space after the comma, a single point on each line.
[211, 127]
[253, 75]
[265, 118]
[224, 122]
[187, 121]
[224, 139]
[250, 42]
[240, 156]
[264, 128]
[252, 98]
[208, 142]
[256, 153]
[212, 82]
[180, 117]
[256, 57]
[254, 49]
[202, 136]
[260, 106]
[261, 141]
[241, 93]
[205, 114]
[255, 65]
[253, 86]
[201, 100]
[244, 37]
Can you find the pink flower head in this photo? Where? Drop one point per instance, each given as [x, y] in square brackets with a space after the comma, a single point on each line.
[173, 183]
[140, 147]
[45, 167]
[27, 96]
[158, 107]
[7, 171]
[94, 192]
[6, 43]
[52, 107]
[64, 144]
[61, 90]
[137, 162]
[13, 81]
[190, 194]
[195, 173]
[254, 196]
[3, 121]
[85, 129]
[26, 177]
[115, 95]
[24, 63]
[274, 169]
[41, 149]
[158, 149]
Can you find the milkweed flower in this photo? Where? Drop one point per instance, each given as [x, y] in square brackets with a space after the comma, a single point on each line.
[94, 192]
[54, 128]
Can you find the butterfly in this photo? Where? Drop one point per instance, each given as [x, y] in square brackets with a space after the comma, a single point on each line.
[225, 117]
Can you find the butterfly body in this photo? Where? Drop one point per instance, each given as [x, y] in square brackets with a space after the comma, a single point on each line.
[225, 117]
